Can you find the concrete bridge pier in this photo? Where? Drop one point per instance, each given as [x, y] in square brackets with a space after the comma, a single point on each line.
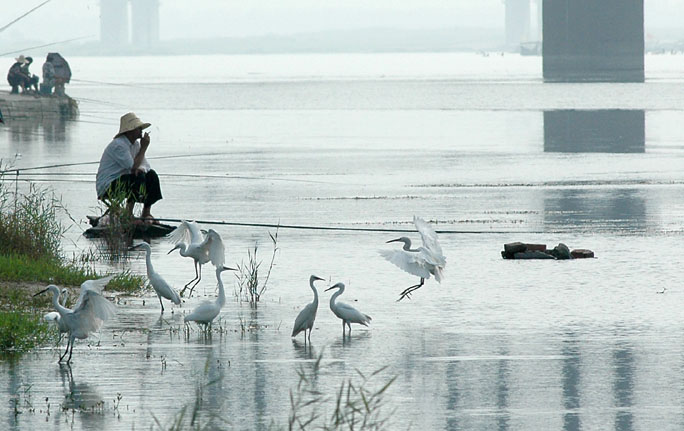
[595, 41]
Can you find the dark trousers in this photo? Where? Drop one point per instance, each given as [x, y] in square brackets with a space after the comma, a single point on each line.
[143, 187]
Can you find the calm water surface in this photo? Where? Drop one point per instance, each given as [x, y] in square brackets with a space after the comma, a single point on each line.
[475, 144]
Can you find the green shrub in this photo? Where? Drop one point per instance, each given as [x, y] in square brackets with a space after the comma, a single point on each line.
[20, 331]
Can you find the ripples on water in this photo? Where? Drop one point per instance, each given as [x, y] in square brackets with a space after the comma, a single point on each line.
[475, 144]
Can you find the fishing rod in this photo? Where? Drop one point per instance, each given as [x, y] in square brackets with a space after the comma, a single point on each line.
[338, 228]
[62, 165]
[20, 17]
[43, 46]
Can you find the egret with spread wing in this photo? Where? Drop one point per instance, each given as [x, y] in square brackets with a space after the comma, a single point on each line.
[201, 248]
[346, 312]
[87, 316]
[160, 286]
[305, 319]
[421, 261]
[207, 311]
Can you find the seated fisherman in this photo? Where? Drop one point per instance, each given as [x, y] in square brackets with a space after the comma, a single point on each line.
[31, 79]
[123, 167]
[16, 77]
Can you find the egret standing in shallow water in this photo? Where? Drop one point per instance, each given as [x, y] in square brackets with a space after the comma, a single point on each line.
[202, 249]
[346, 312]
[207, 311]
[305, 319]
[87, 316]
[421, 261]
[158, 283]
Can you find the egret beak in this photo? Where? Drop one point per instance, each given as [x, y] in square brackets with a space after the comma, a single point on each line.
[330, 288]
[227, 268]
[42, 291]
[175, 248]
[393, 240]
[133, 247]
[318, 278]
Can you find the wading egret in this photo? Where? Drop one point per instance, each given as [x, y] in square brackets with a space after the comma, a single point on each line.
[305, 318]
[163, 289]
[87, 316]
[207, 311]
[201, 248]
[346, 312]
[421, 261]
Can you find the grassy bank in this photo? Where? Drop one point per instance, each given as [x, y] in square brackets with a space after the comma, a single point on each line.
[31, 258]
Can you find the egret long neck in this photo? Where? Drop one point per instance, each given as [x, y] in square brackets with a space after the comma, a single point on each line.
[407, 245]
[55, 303]
[334, 297]
[315, 301]
[222, 294]
[148, 261]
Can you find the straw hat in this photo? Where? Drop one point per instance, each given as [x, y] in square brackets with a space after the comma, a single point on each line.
[21, 59]
[129, 122]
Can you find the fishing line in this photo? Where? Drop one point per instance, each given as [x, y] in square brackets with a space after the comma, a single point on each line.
[62, 165]
[117, 84]
[340, 228]
[43, 46]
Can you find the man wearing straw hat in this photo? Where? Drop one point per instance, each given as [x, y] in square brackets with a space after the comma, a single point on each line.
[16, 76]
[124, 168]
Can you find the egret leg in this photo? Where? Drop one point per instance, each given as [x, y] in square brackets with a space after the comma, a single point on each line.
[309, 335]
[349, 326]
[343, 330]
[65, 352]
[160, 303]
[407, 292]
[199, 277]
[71, 350]
[190, 282]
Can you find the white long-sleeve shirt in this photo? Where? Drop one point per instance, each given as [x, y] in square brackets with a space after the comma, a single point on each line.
[117, 159]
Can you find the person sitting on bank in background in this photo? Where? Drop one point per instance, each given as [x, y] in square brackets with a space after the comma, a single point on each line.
[123, 167]
[32, 80]
[16, 77]
[48, 76]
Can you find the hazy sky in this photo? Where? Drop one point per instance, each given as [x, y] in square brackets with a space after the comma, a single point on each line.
[64, 19]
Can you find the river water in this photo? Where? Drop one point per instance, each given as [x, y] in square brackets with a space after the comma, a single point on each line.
[478, 145]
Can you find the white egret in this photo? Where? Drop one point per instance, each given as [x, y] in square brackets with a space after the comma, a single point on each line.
[421, 261]
[158, 283]
[207, 311]
[305, 319]
[202, 249]
[87, 316]
[53, 316]
[346, 312]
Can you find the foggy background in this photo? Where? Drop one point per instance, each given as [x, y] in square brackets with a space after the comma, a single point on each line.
[260, 25]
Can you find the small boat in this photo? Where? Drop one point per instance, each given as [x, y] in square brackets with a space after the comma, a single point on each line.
[140, 230]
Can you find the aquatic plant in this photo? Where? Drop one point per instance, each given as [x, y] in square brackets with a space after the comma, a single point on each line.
[248, 284]
[28, 221]
[356, 405]
[118, 224]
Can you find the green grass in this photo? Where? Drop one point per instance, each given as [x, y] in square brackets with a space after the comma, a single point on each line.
[51, 271]
[21, 332]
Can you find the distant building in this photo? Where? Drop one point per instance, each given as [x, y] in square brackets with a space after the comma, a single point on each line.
[115, 16]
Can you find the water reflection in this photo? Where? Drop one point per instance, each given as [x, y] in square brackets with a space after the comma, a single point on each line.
[618, 209]
[594, 131]
[623, 386]
[83, 398]
[570, 381]
[52, 134]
